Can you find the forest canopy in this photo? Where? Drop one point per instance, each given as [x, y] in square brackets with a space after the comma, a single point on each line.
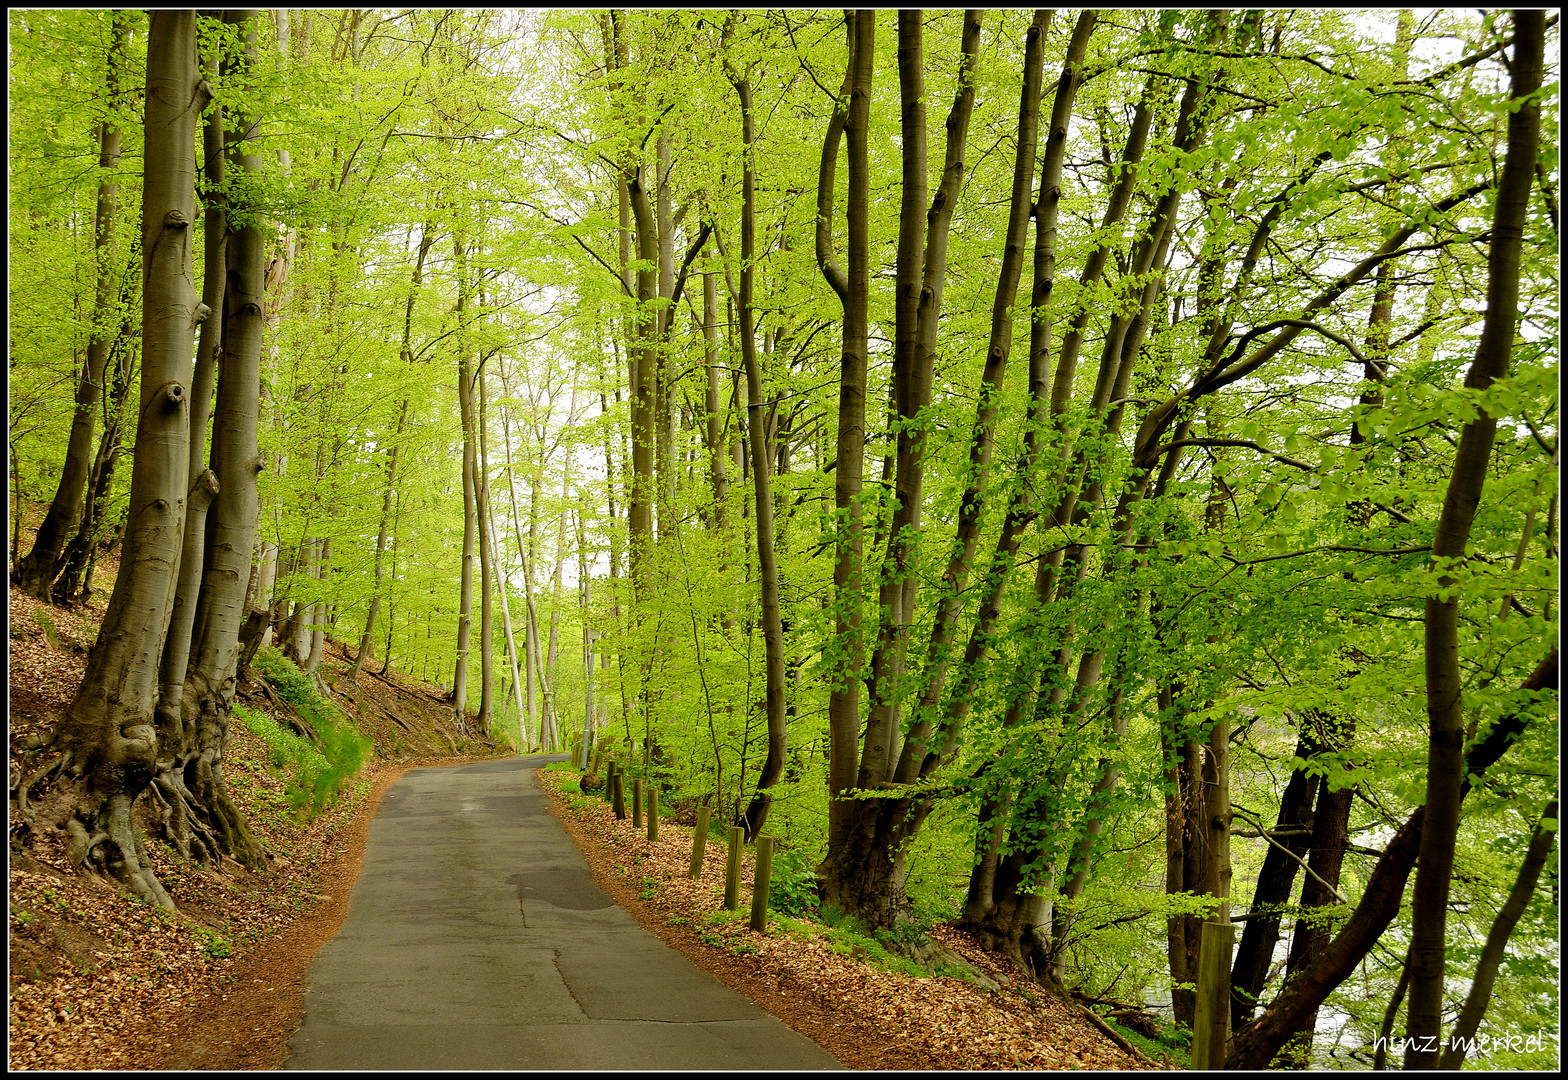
[1089, 477]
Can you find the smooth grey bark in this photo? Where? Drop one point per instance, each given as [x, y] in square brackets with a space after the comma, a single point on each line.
[200, 818]
[107, 736]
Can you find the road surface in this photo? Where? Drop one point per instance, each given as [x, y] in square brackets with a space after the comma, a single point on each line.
[477, 939]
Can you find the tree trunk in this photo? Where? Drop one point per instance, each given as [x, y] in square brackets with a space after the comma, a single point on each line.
[200, 818]
[465, 398]
[762, 478]
[1444, 679]
[487, 569]
[37, 570]
[999, 907]
[717, 430]
[74, 583]
[1276, 879]
[853, 288]
[1255, 1047]
[426, 240]
[108, 736]
[1319, 889]
[1536, 856]
[319, 612]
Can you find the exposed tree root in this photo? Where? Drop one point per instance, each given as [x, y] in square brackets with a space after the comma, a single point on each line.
[103, 840]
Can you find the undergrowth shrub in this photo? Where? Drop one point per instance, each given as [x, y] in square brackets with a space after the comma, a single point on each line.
[792, 887]
[318, 769]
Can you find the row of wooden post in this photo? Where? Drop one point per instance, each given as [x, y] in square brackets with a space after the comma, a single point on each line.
[1211, 1024]
[615, 793]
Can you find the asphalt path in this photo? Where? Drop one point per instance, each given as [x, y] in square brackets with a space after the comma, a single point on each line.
[476, 938]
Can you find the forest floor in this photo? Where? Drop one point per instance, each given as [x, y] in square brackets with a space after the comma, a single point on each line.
[823, 985]
[99, 980]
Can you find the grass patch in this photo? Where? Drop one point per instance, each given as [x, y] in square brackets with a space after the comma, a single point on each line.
[1174, 1043]
[318, 769]
[213, 944]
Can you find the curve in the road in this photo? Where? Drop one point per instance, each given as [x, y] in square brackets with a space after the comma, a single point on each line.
[476, 938]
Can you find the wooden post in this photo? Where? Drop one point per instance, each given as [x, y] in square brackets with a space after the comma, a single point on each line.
[653, 812]
[637, 802]
[732, 870]
[699, 842]
[759, 883]
[619, 798]
[609, 781]
[1211, 1018]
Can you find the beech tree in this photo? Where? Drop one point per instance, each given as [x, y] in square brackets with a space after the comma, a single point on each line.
[1233, 599]
[107, 741]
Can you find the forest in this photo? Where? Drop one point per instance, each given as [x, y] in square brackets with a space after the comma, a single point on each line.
[1087, 477]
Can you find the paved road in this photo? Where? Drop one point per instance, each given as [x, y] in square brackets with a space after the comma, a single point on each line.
[477, 939]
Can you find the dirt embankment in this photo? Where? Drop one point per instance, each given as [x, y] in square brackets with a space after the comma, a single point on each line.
[102, 981]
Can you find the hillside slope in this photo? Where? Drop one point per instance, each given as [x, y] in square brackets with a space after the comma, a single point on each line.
[100, 980]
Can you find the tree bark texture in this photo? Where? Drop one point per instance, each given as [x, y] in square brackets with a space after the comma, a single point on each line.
[108, 735]
[200, 818]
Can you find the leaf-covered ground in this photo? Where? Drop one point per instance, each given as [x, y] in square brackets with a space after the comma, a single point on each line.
[866, 1016]
[99, 980]
[102, 981]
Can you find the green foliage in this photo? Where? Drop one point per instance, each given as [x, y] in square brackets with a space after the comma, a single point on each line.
[792, 887]
[1173, 1043]
[318, 768]
[214, 945]
[1282, 574]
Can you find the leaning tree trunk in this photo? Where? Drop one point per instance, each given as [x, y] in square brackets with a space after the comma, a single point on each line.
[37, 570]
[998, 908]
[1513, 909]
[1256, 1045]
[1444, 679]
[107, 736]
